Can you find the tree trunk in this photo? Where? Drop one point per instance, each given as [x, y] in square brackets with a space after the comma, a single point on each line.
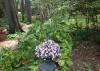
[23, 9]
[10, 10]
[28, 10]
[1, 9]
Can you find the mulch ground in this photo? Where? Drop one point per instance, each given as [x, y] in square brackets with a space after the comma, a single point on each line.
[86, 57]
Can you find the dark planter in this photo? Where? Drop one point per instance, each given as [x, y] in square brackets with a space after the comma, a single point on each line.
[47, 65]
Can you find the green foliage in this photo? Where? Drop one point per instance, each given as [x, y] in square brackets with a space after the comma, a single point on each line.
[11, 36]
[23, 58]
[98, 39]
[58, 33]
[18, 60]
[83, 35]
[10, 60]
[80, 35]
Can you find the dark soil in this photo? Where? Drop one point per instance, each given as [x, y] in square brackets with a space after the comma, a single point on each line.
[86, 57]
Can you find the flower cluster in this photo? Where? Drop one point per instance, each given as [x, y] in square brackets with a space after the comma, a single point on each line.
[48, 49]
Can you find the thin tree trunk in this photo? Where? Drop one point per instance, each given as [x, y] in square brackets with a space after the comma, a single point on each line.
[23, 9]
[28, 10]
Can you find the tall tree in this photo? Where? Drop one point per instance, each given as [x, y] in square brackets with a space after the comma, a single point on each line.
[1, 9]
[23, 9]
[10, 10]
[28, 10]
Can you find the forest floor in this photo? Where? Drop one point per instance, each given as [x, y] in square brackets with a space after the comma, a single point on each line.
[86, 56]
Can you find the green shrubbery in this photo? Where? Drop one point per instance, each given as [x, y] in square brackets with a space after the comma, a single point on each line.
[24, 59]
[58, 33]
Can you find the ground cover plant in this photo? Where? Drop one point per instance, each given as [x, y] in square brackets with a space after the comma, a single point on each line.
[27, 60]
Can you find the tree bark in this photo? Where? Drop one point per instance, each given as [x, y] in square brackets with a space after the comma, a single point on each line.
[23, 9]
[1, 9]
[10, 10]
[28, 10]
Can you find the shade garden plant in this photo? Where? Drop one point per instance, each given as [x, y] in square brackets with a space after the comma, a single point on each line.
[25, 58]
[58, 33]
[48, 49]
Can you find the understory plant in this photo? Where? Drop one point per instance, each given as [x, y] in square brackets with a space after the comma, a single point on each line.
[57, 33]
[24, 58]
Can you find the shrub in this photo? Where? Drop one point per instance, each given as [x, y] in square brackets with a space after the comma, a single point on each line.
[58, 33]
[23, 58]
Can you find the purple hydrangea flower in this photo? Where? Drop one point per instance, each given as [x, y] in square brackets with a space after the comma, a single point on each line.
[48, 48]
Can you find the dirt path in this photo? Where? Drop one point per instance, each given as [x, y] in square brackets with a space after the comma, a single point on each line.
[86, 57]
[13, 44]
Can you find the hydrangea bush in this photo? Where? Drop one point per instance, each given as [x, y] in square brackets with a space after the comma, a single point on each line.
[48, 49]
